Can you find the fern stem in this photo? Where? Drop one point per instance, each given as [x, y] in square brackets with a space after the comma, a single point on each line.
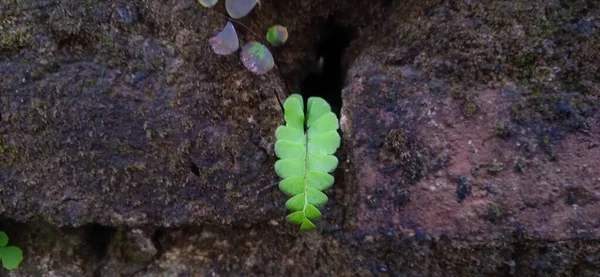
[305, 170]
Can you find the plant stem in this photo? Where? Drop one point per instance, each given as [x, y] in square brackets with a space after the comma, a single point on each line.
[287, 88]
[235, 20]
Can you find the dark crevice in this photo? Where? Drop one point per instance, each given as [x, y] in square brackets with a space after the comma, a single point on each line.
[521, 253]
[385, 3]
[98, 238]
[323, 73]
[194, 168]
[156, 241]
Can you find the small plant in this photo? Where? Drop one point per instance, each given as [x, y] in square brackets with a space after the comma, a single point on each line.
[520, 164]
[495, 167]
[305, 148]
[239, 8]
[469, 109]
[254, 55]
[208, 3]
[502, 130]
[11, 255]
[225, 42]
[493, 213]
[277, 35]
[257, 58]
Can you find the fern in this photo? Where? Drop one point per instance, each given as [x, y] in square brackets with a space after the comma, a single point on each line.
[305, 147]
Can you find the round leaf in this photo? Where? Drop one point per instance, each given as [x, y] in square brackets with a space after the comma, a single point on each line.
[3, 239]
[12, 256]
[239, 8]
[225, 42]
[208, 3]
[277, 35]
[257, 58]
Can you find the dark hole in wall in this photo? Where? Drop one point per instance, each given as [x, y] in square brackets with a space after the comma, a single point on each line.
[98, 238]
[385, 3]
[157, 237]
[323, 72]
[194, 168]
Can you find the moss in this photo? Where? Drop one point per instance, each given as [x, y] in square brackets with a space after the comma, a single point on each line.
[501, 130]
[547, 148]
[89, 84]
[520, 163]
[106, 41]
[49, 238]
[525, 61]
[457, 92]
[519, 112]
[14, 39]
[493, 213]
[87, 6]
[16, 3]
[127, 250]
[133, 256]
[545, 141]
[45, 69]
[396, 141]
[149, 94]
[548, 32]
[10, 157]
[469, 109]
[136, 167]
[495, 167]
[534, 90]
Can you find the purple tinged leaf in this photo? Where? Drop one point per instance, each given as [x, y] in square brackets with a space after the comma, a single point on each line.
[208, 3]
[225, 42]
[239, 8]
[257, 58]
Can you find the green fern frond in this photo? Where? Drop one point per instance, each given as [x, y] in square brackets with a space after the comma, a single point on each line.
[305, 147]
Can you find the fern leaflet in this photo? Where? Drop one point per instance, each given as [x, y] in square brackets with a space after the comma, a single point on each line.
[305, 148]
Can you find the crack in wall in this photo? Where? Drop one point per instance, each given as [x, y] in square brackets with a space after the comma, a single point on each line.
[193, 251]
[323, 74]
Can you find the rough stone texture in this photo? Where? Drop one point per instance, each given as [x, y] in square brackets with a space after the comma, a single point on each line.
[119, 113]
[471, 137]
[223, 251]
[451, 136]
